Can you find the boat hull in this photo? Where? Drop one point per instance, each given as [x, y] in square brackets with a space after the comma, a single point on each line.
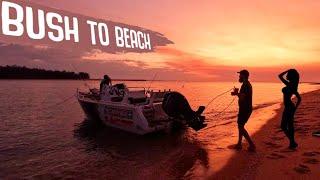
[130, 119]
[90, 109]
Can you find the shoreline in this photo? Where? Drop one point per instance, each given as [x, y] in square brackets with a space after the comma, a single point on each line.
[273, 159]
[143, 80]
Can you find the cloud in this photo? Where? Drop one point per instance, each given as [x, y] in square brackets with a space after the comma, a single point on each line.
[50, 58]
[31, 55]
[203, 67]
[175, 65]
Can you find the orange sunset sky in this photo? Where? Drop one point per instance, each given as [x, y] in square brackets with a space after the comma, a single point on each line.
[212, 39]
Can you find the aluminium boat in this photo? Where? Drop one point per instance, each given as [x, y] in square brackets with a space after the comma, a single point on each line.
[138, 110]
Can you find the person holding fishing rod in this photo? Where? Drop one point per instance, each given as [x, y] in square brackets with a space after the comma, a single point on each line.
[245, 108]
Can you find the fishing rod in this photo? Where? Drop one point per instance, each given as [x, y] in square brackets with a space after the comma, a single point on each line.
[154, 77]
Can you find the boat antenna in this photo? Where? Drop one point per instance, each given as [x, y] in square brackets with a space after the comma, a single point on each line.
[154, 77]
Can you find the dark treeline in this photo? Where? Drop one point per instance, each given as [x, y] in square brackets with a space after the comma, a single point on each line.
[18, 72]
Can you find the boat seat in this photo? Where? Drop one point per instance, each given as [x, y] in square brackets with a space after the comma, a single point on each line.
[136, 97]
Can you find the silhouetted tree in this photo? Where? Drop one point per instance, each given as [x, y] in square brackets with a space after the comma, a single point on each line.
[22, 72]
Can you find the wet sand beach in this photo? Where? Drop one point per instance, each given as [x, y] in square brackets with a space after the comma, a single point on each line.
[273, 159]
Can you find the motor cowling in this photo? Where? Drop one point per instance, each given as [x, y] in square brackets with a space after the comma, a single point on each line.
[177, 106]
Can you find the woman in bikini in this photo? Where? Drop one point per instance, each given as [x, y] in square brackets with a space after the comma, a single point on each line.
[291, 88]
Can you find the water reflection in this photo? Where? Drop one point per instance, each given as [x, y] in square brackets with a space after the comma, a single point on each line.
[176, 153]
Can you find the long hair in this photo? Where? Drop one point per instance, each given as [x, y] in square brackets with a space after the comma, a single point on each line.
[293, 77]
[108, 79]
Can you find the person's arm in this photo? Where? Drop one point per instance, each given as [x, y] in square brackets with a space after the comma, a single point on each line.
[101, 85]
[282, 78]
[241, 95]
[100, 88]
[299, 99]
[246, 92]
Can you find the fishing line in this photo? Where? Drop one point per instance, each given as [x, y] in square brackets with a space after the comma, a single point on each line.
[227, 107]
[55, 105]
[216, 115]
[217, 97]
[61, 102]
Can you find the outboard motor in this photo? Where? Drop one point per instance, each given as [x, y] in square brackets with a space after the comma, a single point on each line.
[177, 106]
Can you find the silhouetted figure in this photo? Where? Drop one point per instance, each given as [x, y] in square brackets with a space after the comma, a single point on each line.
[291, 88]
[245, 108]
[105, 81]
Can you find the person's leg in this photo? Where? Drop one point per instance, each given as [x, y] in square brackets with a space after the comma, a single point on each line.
[245, 133]
[240, 123]
[293, 143]
[284, 123]
[240, 135]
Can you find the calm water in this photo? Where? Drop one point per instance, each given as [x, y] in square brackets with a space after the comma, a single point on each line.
[41, 137]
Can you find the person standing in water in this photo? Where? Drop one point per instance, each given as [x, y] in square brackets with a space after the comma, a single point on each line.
[245, 109]
[287, 123]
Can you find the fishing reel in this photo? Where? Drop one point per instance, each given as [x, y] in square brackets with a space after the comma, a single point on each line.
[235, 91]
